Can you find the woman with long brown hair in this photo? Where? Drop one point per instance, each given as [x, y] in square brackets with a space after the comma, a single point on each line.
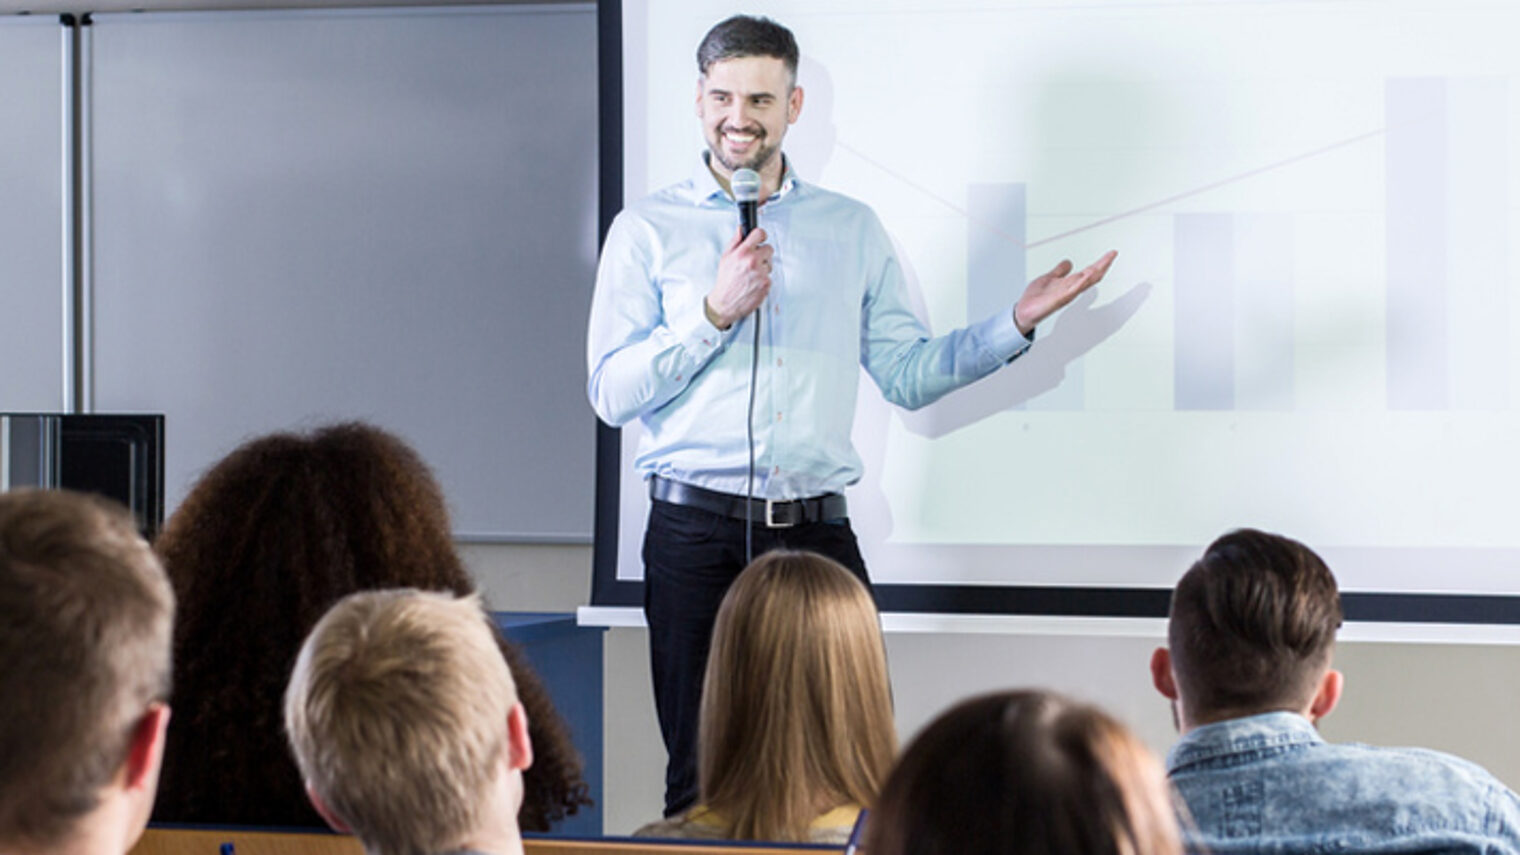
[1025, 773]
[268, 539]
[796, 731]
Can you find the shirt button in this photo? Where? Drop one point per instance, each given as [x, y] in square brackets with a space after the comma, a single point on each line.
[778, 416]
[776, 470]
[778, 362]
[680, 376]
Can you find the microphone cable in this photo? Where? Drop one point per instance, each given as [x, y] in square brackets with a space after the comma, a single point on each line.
[745, 184]
[749, 435]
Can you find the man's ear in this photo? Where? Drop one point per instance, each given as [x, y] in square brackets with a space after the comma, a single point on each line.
[327, 814]
[793, 104]
[145, 752]
[698, 103]
[1328, 694]
[1161, 673]
[519, 747]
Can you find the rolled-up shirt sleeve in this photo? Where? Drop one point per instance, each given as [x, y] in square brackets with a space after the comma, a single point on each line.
[640, 351]
[911, 368]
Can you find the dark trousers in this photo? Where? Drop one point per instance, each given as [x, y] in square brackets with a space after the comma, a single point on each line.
[691, 556]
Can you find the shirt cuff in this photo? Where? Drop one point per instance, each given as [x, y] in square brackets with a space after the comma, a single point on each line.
[1001, 336]
[697, 334]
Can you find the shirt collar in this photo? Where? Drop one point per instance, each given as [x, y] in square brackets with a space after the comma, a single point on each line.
[706, 189]
[1231, 736]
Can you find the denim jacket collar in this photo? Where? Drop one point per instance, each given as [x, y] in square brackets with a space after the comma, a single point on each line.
[1232, 736]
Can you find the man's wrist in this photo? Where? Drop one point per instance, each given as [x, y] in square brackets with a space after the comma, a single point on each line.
[712, 317]
[1025, 331]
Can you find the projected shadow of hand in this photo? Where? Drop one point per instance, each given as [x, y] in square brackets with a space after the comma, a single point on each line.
[1080, 327]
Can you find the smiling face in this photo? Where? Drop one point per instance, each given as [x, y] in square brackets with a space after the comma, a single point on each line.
[745, 105]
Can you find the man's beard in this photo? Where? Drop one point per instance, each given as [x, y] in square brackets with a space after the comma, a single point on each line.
[762, 155]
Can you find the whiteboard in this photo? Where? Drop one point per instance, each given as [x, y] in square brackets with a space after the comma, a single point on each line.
[306, 216]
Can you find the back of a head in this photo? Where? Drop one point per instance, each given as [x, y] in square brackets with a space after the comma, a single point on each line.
[747, 35]
[264, 543]
[86, 615]
[397, 714]
[1025, 773]
[1252, 626]
[289, 522]
[796, 705]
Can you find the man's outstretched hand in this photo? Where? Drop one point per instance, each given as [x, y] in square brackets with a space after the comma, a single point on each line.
[1047, 294]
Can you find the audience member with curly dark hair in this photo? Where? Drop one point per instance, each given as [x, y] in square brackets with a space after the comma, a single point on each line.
[264, 544]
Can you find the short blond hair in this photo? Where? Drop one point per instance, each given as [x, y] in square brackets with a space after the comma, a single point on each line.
[397, 715]
[796, 713]
[86, 617]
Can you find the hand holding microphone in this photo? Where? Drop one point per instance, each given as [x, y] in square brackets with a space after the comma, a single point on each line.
[744, 271]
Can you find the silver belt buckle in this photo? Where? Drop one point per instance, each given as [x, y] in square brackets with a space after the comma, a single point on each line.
[770, 516]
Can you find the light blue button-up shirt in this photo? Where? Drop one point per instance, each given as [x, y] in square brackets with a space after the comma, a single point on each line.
[837, 301]
[1269, 784]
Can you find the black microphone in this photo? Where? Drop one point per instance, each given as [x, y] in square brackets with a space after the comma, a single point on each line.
[746, 184]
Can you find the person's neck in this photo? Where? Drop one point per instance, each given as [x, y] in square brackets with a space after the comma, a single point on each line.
[498, 833]
[498, 841]
[1187, 723]
[770, 176]
[104, 831]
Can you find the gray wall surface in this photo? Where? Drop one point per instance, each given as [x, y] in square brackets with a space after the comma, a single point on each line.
[305, 216]
[32, 288]
[39, 7]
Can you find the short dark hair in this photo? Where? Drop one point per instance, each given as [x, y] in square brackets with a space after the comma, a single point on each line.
[85, 627]
[1029, 773]
[1251, 627]
[747, 35]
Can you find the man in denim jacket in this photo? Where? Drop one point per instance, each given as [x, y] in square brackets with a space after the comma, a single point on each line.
[1248, 672]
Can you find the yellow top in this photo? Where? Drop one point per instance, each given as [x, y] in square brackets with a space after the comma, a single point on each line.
[704, 823]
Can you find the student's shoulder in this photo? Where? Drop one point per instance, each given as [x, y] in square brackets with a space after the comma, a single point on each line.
[696, 824]
[1423, 766]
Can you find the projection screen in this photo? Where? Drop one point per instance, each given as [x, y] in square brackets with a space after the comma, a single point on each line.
[1310, 327]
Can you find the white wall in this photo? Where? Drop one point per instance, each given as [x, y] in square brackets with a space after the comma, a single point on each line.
[1457, 698]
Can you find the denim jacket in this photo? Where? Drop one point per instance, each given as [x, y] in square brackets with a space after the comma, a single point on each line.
[1269, 784]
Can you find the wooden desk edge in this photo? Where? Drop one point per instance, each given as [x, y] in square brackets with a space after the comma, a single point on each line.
[198, 841]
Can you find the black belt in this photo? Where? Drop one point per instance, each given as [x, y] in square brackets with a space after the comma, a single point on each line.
[768, 512]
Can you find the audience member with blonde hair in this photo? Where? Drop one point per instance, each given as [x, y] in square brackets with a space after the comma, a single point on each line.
[1024, 773]
[85, 625]
[263, 545]
[406, 725]
[796, 732]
